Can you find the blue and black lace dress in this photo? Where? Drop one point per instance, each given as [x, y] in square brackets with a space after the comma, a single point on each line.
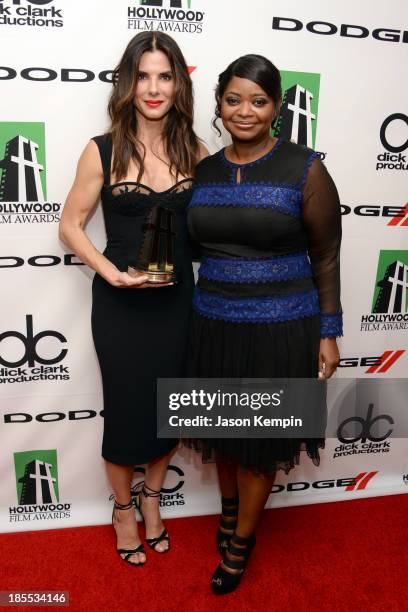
[269, 281]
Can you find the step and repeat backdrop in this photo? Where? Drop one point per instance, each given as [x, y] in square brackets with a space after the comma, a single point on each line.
[345, 95]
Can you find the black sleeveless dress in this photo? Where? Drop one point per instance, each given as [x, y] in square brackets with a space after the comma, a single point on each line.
[139, 334]
[269, 281]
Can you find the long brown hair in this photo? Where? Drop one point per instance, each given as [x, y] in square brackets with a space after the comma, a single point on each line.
[181, 143]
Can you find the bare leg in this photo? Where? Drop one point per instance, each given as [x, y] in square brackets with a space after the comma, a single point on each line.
[154, 478]
[254, 491]
[120, 477]
[227, 477]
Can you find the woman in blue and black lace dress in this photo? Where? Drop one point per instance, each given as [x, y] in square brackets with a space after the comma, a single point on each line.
[266, 214]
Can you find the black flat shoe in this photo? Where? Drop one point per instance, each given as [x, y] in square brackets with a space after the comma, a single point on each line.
[228, 522]
[126, 553]
[223, 581]
[142, 490]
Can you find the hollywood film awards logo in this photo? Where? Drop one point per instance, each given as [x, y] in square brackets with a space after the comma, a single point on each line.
[38, 497]
[165, 16]
[23, 191]
[394, 139]
[297, 119]
[364, 435]
[30, 13]
[23, 358]
[170, 494]
[389, 311]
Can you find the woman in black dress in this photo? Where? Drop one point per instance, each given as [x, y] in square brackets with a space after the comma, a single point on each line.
[139, 329]
[267, 305]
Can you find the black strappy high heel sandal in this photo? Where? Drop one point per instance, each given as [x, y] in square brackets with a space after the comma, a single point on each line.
[126, 553]
[223, 581]
[142, 490]
[228, 522]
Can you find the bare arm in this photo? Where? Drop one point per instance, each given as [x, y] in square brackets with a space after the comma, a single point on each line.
[81, 201]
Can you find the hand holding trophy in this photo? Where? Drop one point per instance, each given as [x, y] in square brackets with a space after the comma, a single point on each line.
[155, 259]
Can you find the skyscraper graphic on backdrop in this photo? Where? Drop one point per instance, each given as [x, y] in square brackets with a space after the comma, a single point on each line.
[295, 120]
[173, 3]
[20, 180]
[298, 114]
[392, 296]
[22, 162]
[38, 484]
[36, 477]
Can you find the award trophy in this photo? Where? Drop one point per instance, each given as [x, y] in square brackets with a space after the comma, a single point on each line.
[156, 255]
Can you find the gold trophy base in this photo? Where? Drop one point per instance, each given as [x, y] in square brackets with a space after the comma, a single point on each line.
[153, 277]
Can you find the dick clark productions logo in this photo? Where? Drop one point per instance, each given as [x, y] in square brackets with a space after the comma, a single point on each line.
[23, 359]
[357, 435]
[394, 139]
[23, 187]
[30, 13]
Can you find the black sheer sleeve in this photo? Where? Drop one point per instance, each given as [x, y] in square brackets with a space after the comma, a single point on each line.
[321, 217]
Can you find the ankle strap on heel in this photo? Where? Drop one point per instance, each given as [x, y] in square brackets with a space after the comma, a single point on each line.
[229, 511]
[229, 502]
[119, 506]
[136, 489]
[236, 539]
[141, 487]
[149, 492]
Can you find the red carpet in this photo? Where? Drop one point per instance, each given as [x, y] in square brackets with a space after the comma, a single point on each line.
[336, 557]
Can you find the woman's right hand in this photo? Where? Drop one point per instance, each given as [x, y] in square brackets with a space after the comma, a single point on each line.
[123, 280]
[81, 201]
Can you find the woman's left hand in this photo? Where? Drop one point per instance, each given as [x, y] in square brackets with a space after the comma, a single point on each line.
[329, 357]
